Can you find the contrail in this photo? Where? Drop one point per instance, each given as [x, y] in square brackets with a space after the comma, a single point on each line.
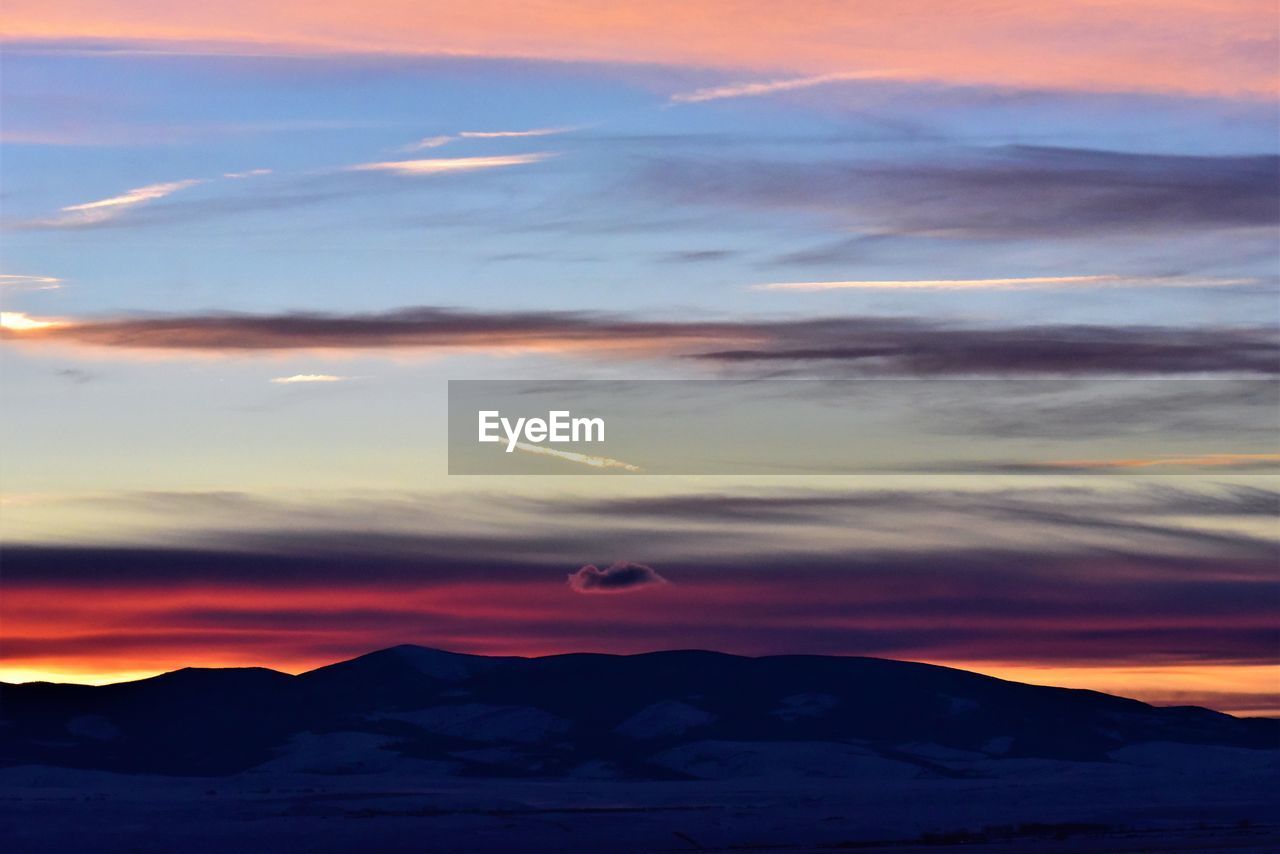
[584, 459]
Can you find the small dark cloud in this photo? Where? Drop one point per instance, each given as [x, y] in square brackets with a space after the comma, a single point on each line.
[847, 250]
[76, 375]
[622, 577]
[696, 256]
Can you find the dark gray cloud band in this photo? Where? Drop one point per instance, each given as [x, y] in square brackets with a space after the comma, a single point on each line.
[1009, 192]
[907, 346]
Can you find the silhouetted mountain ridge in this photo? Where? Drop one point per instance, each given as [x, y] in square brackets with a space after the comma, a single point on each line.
[675, 713]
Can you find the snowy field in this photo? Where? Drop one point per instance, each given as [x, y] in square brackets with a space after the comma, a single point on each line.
[769, 797]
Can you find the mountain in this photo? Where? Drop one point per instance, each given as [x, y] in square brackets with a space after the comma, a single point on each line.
[657, 716]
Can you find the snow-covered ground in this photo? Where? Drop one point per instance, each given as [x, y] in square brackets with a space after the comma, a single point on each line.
[1151, 798]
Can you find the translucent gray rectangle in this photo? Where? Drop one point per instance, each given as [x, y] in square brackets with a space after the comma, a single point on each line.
[817, 427]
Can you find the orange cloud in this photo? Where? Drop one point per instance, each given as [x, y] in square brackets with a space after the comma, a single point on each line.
[1143, 45]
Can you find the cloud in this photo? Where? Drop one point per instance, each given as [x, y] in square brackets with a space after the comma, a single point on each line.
[1032, 608]
[134, 206]
[1187, 46]
[1107, 575]
[1015, 284]
[582, 459]
[308, 378]
[771, 87]
[76, 375]
[420, 538]
[1009, 192]
[438, 165]
[922, 348]
[95, 213]
[1076, 505]
[420, 328]
[19, 322]
[622, 577]
[20, 282]
[1267, 462]
[1094, 516]
[696, 256]
[826, 346]
[504, 134]
[429, 142]
[438, 141]
[1092, 520]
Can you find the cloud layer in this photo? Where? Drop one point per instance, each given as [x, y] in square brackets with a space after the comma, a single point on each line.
[1172, 45]
[903, 345]
[1010, 192]
[1089, 577]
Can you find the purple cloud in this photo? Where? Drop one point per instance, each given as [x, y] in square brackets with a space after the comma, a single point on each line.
[622, 577]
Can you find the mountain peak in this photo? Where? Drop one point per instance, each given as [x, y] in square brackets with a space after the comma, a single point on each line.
[439, 664]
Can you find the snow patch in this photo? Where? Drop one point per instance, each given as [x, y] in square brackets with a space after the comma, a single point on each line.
[1196, 757]
[664, 720]
[480, 722]
[729, 760]
[799, 706]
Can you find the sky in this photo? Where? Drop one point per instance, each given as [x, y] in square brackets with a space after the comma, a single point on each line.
[246, 245]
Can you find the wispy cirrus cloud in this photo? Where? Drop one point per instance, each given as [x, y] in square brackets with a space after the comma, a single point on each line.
[429, 142]
[441, 165]
[296, 379]
[16, 281]
[445, 139]
[133, 207]
[1024, 283]
[111, 209]
[504, 134]
[102, 210]
[772, 87]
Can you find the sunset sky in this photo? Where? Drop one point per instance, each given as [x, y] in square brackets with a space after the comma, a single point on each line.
[247, 244]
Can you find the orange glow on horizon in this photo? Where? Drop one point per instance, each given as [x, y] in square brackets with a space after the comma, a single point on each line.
[16, 321]
[1247, 690]
[1222, 687]
[129, 633]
